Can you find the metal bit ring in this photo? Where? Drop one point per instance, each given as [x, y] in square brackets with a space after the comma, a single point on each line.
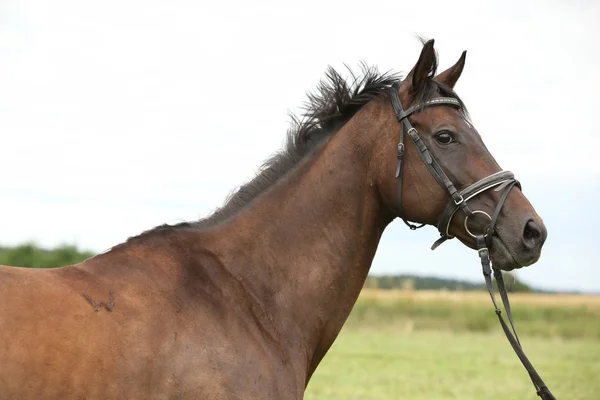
[467, 222]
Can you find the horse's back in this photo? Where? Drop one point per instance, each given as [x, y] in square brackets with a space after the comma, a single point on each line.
[57, 342]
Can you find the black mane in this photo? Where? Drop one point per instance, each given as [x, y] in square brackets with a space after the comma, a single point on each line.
[335, 101]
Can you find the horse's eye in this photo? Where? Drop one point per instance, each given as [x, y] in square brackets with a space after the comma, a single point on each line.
[444, 137]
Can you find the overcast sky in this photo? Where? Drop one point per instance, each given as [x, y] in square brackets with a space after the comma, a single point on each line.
[116, 116]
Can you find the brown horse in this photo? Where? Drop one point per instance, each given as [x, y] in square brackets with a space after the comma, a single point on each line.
[245, 303]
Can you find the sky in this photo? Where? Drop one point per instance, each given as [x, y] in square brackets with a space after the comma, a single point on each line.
[117, 116]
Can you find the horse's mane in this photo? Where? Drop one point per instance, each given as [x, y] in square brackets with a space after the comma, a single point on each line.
[335, 101]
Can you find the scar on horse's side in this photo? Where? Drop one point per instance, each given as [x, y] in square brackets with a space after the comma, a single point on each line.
[109, 306]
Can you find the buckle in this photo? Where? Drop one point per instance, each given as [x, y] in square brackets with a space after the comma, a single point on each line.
[400, 150]
[459, 202]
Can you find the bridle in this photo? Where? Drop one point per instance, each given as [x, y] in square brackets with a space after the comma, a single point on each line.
[458, 199]
[501, 181]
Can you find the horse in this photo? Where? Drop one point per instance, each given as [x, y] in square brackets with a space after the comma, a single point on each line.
[245, 303]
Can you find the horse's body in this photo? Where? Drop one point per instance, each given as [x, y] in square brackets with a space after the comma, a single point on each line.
[172, 326]
[246, 304]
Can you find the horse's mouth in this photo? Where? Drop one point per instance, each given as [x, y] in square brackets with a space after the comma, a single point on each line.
[503, 258]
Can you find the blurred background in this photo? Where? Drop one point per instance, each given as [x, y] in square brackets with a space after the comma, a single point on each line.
[118, 116]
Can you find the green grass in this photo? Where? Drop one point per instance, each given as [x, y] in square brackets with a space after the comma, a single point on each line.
[449, 345]
[367, 364]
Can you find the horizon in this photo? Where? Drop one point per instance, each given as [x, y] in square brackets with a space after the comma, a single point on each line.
[471, 284]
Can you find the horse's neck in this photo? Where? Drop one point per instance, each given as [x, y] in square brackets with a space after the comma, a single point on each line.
[305, 247]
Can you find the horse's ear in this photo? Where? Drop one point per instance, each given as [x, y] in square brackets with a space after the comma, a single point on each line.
[451, 75]
[423, 68]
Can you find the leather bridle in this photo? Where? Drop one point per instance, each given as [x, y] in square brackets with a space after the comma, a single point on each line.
[501, 181]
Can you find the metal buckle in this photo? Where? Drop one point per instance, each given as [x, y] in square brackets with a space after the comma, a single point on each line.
[400, 150]
[458, 203]
[412, 129]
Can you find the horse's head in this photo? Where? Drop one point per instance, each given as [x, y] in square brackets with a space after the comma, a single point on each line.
[445, 176]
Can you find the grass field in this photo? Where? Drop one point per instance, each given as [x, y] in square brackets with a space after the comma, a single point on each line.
[403, 345]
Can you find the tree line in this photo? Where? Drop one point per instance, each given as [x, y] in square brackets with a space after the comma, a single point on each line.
[30, 255]
[414, 282]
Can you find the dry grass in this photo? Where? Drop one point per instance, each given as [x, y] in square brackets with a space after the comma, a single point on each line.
[473, 297]
[546, 315]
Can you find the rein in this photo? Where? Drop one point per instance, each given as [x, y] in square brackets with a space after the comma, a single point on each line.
[500, 181]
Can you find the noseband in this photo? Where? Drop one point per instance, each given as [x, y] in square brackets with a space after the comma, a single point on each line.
[500, 181]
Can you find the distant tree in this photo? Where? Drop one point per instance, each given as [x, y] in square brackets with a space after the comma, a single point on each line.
[29, 255]
[408, 284]
[66, 255]
[25, 255]
[513, 284]
[433, 283]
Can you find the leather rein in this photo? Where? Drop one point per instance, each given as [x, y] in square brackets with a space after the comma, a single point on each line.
[499, 181]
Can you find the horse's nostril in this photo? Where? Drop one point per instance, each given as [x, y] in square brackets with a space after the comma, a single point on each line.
[532, 234]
